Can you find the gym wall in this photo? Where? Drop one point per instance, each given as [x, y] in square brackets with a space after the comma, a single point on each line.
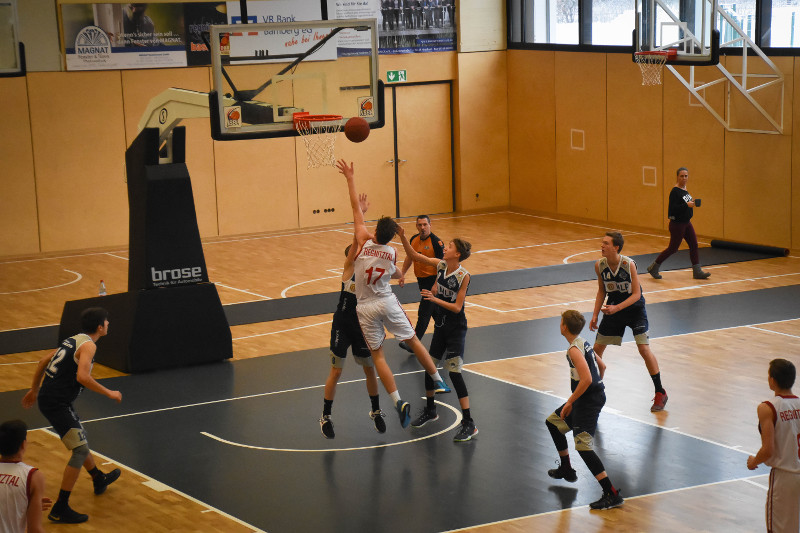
[749, 186]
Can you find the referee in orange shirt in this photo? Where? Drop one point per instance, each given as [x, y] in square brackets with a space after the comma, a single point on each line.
[428, 245]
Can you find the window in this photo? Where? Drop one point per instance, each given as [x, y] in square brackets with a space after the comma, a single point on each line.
[613, 22]
[743, 12]
[785, 23]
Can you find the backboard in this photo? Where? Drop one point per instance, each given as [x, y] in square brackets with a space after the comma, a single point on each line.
[264, 73]
[687, 26]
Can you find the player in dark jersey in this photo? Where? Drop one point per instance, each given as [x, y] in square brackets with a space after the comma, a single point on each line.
[449, 330]
[580, 412]
[619, 282]
[429, 245]
[57, 381]
[346, 333]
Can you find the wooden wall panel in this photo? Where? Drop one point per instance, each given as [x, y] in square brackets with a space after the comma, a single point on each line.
[795, 120]
[694, 139]
[581, 147]
[256, 185]
[78, 133]
[532, 129]
[19, 228]
[758, 180]
[482, 131]
[138, 88]
[635, 174]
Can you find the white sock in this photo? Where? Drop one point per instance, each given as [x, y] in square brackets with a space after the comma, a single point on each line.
[435, 376]
[395, 396]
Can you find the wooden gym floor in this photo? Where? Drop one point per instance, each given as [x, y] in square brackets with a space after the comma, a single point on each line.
[715, 377]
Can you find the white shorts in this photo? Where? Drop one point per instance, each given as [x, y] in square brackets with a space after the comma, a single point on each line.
[783, 501]
[377, 313]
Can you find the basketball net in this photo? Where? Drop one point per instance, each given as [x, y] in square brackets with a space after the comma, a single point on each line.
[651, 63]
[319, 135]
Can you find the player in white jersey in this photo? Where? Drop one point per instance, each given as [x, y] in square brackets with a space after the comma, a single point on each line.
[377, 305]
[21, 485]
[779, 424]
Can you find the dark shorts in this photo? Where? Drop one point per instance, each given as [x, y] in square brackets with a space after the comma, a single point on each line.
[448, 341]
[61, 416]
[613, 326]
[585, 412]
[346, 333]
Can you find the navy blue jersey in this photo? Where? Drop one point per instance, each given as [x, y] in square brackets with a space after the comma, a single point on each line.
[618, 284]
[60, 382]
[448, 286]
[347, 296]
[588, 353]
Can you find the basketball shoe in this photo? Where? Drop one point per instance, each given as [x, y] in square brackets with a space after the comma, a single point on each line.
[425, 415]
[326, 426]
[377, 417]
[609, 500]
[467, 431]
[659, 401]
[101, 481]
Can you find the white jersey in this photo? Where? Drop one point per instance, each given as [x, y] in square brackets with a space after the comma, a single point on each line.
[786, 415]
[374, 267]
[15, 481]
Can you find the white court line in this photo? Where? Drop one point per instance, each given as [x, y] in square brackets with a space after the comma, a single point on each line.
[235, 398]
[78, 277]
[532, 246]
[616, 414]
[282, 331]
[776, 332]
[22, 363]
[284, 291]
[759, 485]
[385, 445]
[509, 520]
[684, 288]
[153, 482]
[244, 291]
[117, 256]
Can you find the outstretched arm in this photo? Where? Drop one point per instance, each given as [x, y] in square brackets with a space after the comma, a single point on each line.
[359, 226]
[412, 253]
[30, 397]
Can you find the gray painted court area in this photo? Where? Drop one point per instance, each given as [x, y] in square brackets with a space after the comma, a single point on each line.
[403, 480]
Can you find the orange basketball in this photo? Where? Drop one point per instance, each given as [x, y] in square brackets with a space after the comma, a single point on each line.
[356, 129]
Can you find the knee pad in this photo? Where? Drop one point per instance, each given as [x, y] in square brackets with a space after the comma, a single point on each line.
[454, 364]
[556, 434]
[584, 442]
[558, 423]
[458, 384]
[79, 456]
[336, 361]
[363, 361]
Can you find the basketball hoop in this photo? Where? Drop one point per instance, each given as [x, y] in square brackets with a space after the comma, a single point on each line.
[651, 63]
[319, 134]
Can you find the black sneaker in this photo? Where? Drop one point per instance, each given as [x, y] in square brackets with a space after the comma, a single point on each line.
[608, 501]
[326, 425]
[406, 347]
[467, 431]
[567, 474]
[102, 481]
[377, 417]
[425, 415]
[66, 515]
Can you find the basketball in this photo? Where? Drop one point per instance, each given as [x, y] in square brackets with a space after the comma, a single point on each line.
[356, 129]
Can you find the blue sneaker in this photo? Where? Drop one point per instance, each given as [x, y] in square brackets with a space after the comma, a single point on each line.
[440, 387]
[404, 410]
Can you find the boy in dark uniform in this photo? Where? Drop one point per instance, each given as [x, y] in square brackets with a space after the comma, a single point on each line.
[346, 333]
[580, 412]
[66, 372]
[450, 328]
[617, 278]
[431, 246]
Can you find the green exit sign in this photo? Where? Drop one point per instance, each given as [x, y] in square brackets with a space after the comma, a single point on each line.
[394, 76]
